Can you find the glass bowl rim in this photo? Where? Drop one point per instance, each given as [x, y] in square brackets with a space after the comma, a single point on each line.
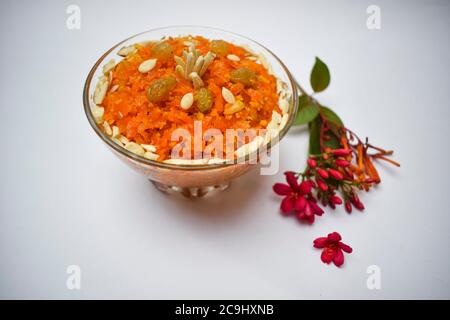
[186, 167]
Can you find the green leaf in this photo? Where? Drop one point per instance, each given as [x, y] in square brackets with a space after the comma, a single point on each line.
[333, 143]
[320, 76]
[331, 116]
[307, 111]
[334, 122]
[314, 136]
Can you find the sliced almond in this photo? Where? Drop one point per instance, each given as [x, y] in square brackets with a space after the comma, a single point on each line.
[228, 96]
[100, 90]
[147, 65]
[115, 132]
[97, 113]
[216, 160]
[271, 133]
[125, 51]
[276, 117]
[187, 101]
[196, 80]
[114, 88]
[135, 148]
[186, 161]
[151, 155]
[249, 147]
[233, 57]
[265, 63]
[109, 66]
[107, 128]
[284, 121]
[149, 147]
[123, 139]
[233, 108]
[284, 105]
[117, 141]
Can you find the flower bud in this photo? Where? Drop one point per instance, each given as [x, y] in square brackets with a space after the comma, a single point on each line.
[312, 163]
[342, 163]
[357, 203]
[348, 206]
[341, 152]
[335, 199]
[322, 173]
[322, 185]
[335, 174]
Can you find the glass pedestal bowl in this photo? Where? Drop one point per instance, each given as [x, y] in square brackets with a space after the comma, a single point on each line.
[189, 180]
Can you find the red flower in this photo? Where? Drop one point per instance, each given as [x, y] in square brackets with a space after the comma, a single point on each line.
[332, 248]
[293, 192]
[307, 209]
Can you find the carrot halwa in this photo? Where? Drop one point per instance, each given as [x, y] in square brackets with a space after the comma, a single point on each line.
[151, 92]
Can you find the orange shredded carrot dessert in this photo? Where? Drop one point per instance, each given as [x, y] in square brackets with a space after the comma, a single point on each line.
[146, 105]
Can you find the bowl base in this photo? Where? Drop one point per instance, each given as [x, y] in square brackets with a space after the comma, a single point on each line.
[191, 192]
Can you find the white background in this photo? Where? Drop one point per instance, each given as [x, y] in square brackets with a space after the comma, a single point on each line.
[65, 199]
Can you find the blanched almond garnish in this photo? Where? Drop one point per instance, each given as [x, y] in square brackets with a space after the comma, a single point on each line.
[149, 147]
[196, 80]
[107, 128]
[216, 160]
[123, 139]
[228, 96]
[276, 117]
[187, 101]
[189, 43]
[115, 132]
[117, 141]
[97, 113]
[135, 148]
[151, 156]
[186, 161]
[284, 105]
[233, 108]
[194, 65]
[233, 57]
[123, 52]
[265, 63]
[270, 134]
[114, 88]
[109, 66]
[100, 89]
[147, 65]
[249, 147]
[283, 121]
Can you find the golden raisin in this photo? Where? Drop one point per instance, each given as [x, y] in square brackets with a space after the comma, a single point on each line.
[162, 50]
[204, 99]
[159, 90]
[219, 47]
[244, 75]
